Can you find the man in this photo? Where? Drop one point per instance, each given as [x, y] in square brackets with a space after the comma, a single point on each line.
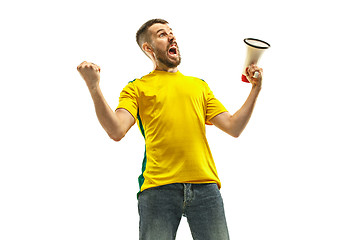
[179, 177]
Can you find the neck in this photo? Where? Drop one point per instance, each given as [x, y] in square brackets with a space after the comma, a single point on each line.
[166, 69]
[161, 67]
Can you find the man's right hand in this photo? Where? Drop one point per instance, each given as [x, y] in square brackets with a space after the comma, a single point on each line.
[90, 73]
[115, 124]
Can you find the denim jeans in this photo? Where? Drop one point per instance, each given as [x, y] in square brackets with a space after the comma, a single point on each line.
[161, 209]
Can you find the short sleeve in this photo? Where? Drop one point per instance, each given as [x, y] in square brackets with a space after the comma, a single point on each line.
[128, 99]
[213, 106]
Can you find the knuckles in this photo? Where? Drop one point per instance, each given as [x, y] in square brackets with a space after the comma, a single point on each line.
[86, 66]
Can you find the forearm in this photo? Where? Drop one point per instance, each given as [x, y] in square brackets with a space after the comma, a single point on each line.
[241, 118]
[106, 116]
[235, 124]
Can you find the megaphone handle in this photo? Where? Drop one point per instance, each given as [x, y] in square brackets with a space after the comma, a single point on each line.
[244, 79]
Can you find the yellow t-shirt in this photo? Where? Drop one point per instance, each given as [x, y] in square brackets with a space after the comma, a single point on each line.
[171, 111]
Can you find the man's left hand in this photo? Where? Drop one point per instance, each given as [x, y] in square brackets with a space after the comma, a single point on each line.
[254, 75]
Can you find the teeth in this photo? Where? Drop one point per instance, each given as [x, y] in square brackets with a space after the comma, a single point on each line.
[173, 49]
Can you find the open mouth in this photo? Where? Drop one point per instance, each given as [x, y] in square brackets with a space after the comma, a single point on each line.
[173, 50]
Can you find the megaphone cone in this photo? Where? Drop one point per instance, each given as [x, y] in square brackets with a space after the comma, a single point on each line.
[255, 49]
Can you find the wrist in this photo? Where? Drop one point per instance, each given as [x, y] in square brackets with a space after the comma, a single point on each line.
[256, 88]
[93, 87]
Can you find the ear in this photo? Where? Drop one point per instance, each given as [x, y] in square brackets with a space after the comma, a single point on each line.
[147, 48]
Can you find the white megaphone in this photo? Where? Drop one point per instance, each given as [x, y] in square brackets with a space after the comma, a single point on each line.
[255, 48]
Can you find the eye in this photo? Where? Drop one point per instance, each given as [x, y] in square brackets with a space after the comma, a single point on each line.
[162, 35]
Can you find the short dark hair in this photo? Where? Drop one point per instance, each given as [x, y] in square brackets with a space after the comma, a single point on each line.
[142, 34]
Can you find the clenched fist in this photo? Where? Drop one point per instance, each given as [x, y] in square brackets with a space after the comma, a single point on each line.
[254, 75]
[90, 73]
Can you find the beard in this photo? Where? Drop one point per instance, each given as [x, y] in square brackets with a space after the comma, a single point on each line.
[163, 58]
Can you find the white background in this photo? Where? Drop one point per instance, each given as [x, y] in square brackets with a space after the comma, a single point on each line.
[292, 174]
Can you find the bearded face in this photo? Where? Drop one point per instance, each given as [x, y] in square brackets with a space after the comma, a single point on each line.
[170, 57]
[164, 46]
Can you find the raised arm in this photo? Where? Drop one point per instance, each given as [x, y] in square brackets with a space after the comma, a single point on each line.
[235, 124]
[117, 123]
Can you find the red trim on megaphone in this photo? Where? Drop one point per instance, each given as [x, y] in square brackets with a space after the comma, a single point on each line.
[244, 78]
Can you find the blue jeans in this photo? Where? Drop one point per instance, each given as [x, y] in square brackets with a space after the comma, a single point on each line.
[161, 209]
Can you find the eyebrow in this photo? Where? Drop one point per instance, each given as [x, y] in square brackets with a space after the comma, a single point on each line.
[162, 29]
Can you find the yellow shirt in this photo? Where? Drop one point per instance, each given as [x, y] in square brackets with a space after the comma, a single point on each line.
[171, 111]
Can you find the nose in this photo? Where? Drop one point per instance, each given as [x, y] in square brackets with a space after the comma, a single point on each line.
[171, 37]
